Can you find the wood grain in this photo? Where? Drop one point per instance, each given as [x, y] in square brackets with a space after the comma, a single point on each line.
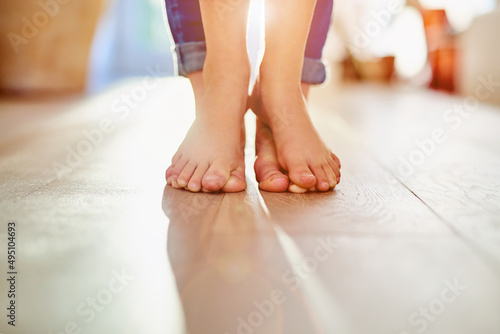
[458, 180]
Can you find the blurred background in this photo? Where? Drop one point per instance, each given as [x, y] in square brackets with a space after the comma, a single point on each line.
[53, 47]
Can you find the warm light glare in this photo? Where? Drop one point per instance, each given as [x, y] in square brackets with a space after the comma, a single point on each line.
[255, 36]
[411, 46]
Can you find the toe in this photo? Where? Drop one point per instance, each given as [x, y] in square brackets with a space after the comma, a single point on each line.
[236, 180]
[175, 184]
[269, 176]
[335, 168]
[277, 183]
[301, 175]
[293, 188]
[332, 178]
[175, 159]
[168, 174]
[194, 184]
[178, 167]
[336, 159]
[322, 183]
[234, 185]
[216, 176]
[186, 173]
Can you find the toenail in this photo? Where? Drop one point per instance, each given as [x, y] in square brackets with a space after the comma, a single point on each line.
[325, 185]
[232, 182]
[210, 179]
[213, 178]
[275, 177]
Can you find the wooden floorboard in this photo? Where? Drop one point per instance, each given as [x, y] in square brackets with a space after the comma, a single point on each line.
[369, 200]
[459, 180]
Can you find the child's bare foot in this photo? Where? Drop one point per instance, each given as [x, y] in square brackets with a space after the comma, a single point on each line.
[211, 157]
[300, 150]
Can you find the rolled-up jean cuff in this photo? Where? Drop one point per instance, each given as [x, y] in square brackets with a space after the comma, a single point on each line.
[190, 57]
[314, 71]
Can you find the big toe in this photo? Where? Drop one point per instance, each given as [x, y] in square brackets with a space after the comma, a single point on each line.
[278, 183]
[302, 176]
[216, 176]
[234, 185]
[236, 181]
[269, 176]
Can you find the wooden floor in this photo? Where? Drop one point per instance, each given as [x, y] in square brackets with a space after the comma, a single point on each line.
[104, 247]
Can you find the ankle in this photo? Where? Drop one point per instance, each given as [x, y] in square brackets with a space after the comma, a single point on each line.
[276, 88]
[225, 87]
[279, 76]
[236, 68]
[196, 80]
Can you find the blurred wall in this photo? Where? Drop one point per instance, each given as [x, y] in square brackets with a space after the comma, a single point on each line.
[45, 44]
[132, 40]
[480, 65]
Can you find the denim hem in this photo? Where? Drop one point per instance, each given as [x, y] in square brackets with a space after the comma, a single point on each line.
[190, 57]
[314, 71]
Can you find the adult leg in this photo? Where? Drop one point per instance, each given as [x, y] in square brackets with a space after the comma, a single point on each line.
[268, 163]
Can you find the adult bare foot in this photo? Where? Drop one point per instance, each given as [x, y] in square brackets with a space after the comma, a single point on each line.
[211, 157]
[300, 150]
[269, 171]
[267, 168]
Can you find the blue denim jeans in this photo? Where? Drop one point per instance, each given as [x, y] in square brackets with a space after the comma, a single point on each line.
[184, 19]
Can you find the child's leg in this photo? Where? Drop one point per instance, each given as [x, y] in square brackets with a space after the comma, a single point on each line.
[300, 151]
[211, 157]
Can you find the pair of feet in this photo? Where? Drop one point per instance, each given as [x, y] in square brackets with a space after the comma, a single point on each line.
[290, 153]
